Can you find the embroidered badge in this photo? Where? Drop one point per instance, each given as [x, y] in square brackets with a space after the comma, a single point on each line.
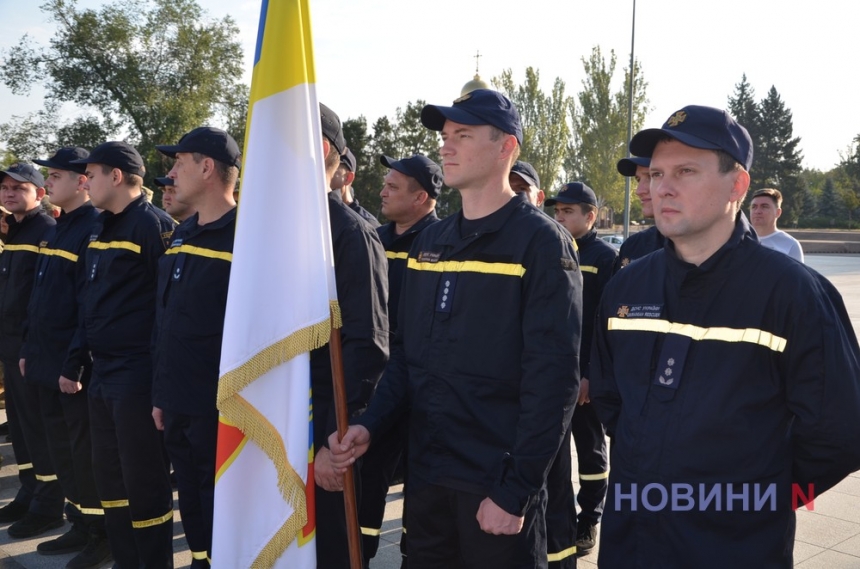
[677, 118]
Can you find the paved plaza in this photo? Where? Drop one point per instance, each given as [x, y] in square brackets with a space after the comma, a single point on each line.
[828, 537]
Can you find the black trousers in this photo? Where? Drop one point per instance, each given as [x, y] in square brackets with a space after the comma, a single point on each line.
[66, 419]
[133, 482]
[378, 467]
[444, 532]
[561, 508]
[30, 444]
[191, 443]
[589, 437]
[331, 539]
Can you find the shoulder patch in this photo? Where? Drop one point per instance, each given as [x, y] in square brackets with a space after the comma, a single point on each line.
[166, 237]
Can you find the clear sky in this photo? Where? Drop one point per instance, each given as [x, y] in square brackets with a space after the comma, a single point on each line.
[373, 56]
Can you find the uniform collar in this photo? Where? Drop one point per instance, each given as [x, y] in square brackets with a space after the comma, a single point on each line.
[193, 227]
[492, 223]
[82, 210]
[743, 231]
[14, 223]
[390, 227]
[587, 239]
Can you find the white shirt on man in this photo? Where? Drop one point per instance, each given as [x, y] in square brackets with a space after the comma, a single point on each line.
[784, 243]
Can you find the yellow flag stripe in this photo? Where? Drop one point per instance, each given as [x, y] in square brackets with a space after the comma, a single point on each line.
[749, 335]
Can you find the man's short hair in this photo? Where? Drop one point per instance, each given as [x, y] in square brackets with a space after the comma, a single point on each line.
[332, 159]
[130, 180]
[227, 173]
[771, 193]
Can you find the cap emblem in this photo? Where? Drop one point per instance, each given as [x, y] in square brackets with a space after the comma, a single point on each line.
[677, 118]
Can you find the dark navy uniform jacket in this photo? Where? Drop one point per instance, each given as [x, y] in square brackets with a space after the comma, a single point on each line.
[741, 371]
[17, 271]
[596, 259]
[365, 215]
[119, 297]
[638, 245]
[489, 330]
[53, 315]
[397, 251]
[193, 275]
[362, 294]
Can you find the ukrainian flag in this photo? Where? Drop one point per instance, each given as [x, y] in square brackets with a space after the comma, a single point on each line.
[279, 307]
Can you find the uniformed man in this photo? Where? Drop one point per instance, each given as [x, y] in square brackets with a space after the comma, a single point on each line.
[524, 179]
[640, 243]
[576, 209]
[175, 209]
[38, 506]
[409, 194]
[765, 209]
[726, 373]
[192, 297]
[489, 325]
[118, 304]
[342, 182]
[61, 376]
[362, 294]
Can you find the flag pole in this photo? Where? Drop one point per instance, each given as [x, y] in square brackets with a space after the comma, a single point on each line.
[342, 416]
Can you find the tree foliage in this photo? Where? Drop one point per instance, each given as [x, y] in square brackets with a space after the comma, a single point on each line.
[146, 70]
[600, 126]
[545, 122]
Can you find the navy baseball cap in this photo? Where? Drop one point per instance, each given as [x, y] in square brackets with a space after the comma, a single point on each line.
[24, 172]
[332, 128]
[699, 127]
[627, 166]
[479, 107]
[527, 172]
[163, 182]
[424, 170]
[62, 159]
[574, 192]
[348, 160]
[209, 141]
[116, 154]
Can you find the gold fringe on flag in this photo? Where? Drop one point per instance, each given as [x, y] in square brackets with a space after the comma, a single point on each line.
[238, 411]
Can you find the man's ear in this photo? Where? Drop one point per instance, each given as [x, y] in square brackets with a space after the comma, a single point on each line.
[349, 178]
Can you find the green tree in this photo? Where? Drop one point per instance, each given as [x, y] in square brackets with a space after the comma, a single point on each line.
[745, 110]
[830, 205]
[600, 127]
[149, 70]
[545, 121]
[364, 185]
[777, 156]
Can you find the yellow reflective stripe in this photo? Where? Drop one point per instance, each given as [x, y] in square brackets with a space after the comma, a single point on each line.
[14, 247]
[393, 255]
[199, 555]
[749, 335]
[153, 522]
[46, 477]
[114, 503]
[601, 476]
[115, 245]
[200, 252]
[59, 253]
[371, 531]
[588, 269]
[509, 269]
[25, 466]
[92, 511]
[552, 557]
